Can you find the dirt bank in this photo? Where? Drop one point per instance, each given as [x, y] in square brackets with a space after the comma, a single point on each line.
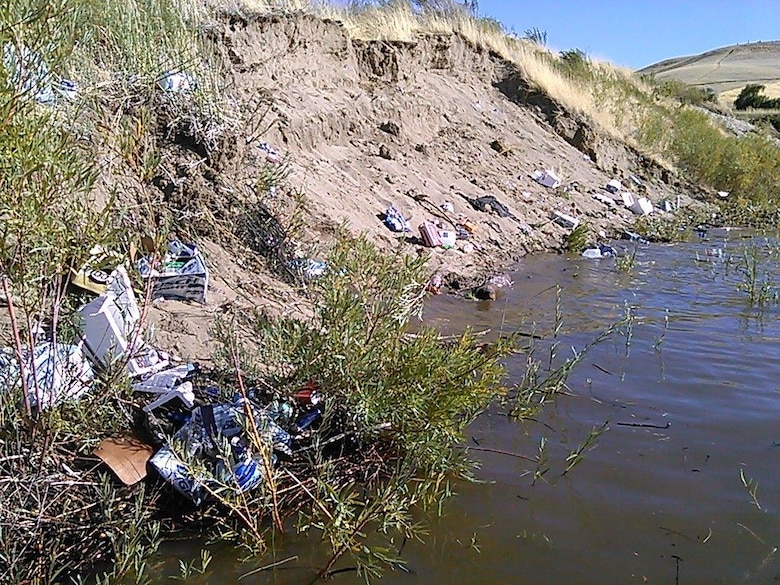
[365, 125]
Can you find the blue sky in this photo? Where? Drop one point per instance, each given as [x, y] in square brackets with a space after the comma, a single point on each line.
[638, 33]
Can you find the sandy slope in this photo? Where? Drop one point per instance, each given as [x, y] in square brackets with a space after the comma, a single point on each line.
[434, 107]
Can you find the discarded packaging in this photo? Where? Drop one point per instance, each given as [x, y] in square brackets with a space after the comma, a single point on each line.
[723, 194]
[642, 206]
[564, 220]
[53, 373]
[395, 220]
[185, 393]
[666, 206]
[600, 251]
[182, 274]
[604, 199]
[547, 178]
[126, 457]
[271, 154]
[430, 234]
[448, 207]
[467, 247]
[29, 74]
[93, 275]
[177, 82]
[169, 384]
[628, 199]
[614, 186]
[448, 238]
[633, 237]
[109, 324]
[215, 438]
[307, 268]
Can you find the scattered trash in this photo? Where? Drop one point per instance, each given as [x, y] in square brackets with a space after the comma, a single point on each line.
[181, 275]
[395, 220]
[636, 181]
[711, 254]
[29, 74]
[628, 199]
[434, 284]
[604, 199]
[110, 327]
[467, 247]
[53, 373]
[614, 186]
[500, 280]
[633, 237]
[165, 380]
[723, 194]
[177, 82]
[564, 220]
[666, 206]
[448, 238]
[547, 178]
[215, 437]
[600, 251]
[126, 457]
[308, 269]
[430, 234]
[489, 204]
[448, 207]
[93, 275]
[271, 154]
[642, 206]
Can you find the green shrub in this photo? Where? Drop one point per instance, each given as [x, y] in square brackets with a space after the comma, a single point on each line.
[403, 398]
[751, 96]
[748, 167]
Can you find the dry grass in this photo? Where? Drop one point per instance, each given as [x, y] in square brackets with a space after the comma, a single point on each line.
[399, 21]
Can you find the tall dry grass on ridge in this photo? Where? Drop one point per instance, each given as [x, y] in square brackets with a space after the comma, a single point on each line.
[606, 95]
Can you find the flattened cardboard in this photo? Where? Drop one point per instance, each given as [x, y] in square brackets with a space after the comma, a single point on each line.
[126, 456]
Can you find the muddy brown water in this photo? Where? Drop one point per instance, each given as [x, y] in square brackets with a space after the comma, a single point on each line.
[658, 497]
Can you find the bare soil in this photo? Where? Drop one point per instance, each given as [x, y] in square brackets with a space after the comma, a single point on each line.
[364, 125]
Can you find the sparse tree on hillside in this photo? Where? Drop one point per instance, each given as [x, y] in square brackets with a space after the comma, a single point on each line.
[752, 96]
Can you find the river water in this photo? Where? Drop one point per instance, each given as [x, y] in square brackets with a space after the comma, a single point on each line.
[690, 405]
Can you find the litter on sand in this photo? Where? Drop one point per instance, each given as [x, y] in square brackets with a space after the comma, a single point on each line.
[52, 373]
[110, 326]
[182, 274]
[547, 178]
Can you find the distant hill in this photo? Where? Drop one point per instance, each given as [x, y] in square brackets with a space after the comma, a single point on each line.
[726, 70]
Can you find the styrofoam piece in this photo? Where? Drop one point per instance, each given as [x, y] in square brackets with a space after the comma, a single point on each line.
[614, 186]
[547, 178]
[628, 199]
[564, 220]
[109, 325]
[52, 373]
[642, 206]
[723, 194]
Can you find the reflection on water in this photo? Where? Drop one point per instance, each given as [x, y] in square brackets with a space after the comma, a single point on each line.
[692, 399]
